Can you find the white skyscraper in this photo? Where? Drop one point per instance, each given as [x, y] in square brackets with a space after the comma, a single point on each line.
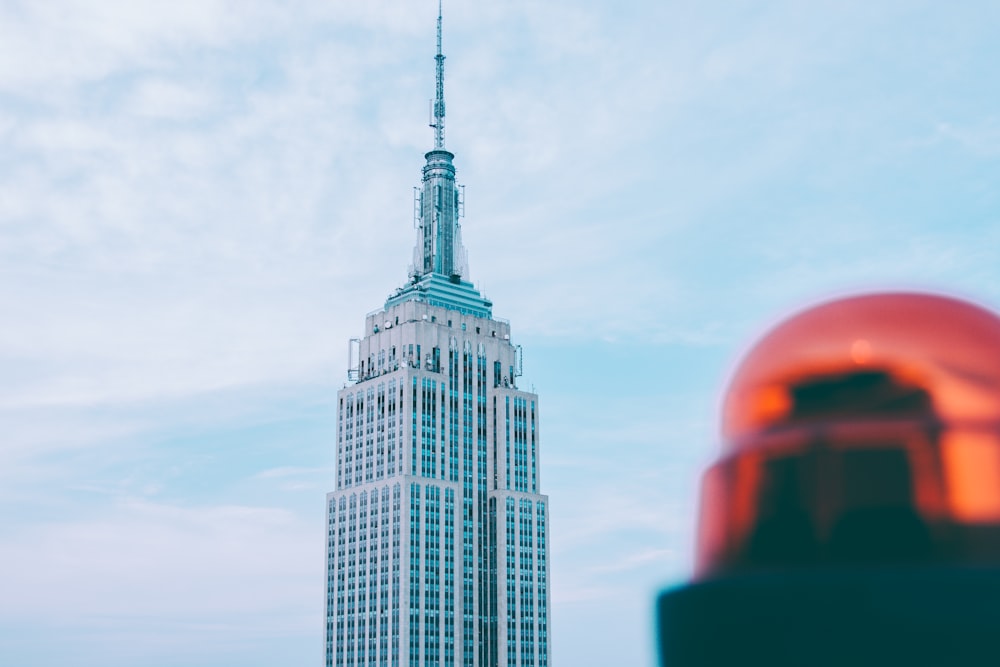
[437, 549]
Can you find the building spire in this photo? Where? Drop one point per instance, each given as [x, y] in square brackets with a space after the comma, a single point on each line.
[440, 271]
[438, 123]
[439, 201]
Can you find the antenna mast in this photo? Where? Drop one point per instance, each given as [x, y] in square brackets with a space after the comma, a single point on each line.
[438, 123]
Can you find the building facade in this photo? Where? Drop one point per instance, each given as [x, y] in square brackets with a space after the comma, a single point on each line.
[437, 547]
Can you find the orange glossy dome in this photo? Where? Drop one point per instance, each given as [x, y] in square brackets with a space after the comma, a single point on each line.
[864, 429]
[814, 365]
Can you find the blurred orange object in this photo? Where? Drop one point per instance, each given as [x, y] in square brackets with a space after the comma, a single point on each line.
[861, 431]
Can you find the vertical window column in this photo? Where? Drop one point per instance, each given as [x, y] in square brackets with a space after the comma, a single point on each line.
[352, 567]
[506, 431]
[432, 576]
[341, 579]
[414, 555]
[362, 576]
[331, 580]
[543, 586]
[396, 540]
[449, 577]
[510, 581]
[414, 431]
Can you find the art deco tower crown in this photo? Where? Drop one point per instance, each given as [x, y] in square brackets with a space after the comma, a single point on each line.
[440, 270]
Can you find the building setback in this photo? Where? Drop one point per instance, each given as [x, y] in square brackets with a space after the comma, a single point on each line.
[437, 548]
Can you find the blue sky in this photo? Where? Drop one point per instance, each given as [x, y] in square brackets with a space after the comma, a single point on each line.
[200, 200]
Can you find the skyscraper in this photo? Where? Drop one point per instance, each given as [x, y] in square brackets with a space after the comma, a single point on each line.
[437, 548]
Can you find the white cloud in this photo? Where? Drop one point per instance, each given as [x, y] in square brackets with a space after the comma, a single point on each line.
[635, 560]
[170, 100]
[982, 137]
[251, 190]
[167, 562]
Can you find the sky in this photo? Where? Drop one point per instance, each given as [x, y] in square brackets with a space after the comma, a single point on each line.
[200, 200]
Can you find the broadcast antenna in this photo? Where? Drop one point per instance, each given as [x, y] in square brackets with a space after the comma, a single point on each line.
[438, 119]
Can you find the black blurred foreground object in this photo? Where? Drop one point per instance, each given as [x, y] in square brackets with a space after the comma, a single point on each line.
[854, 516]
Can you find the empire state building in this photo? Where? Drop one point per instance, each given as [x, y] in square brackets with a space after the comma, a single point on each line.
[437, 542]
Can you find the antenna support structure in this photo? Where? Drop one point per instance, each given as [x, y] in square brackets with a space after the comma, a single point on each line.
[438, 120]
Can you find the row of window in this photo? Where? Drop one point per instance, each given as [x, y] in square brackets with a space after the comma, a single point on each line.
[355, 615]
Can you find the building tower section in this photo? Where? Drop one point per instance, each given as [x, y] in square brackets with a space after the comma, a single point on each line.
[437, 549]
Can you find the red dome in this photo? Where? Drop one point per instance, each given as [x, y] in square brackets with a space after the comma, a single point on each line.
[864, 429]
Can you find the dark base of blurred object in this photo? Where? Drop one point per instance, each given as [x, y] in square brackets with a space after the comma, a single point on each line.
[845, 618]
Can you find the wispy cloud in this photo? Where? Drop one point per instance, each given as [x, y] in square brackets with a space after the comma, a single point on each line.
[633, 561]
[982, 138]
[146, 559]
